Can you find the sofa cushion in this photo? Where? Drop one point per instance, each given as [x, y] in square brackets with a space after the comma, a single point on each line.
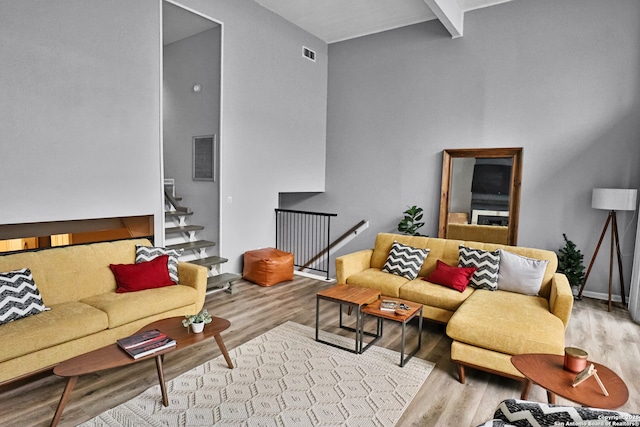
[131, 306]
[439, 249]
[64, 322]
[404, 260]
[520, 274]
[487, 264]
[434, 295]
[508, 323]
[55, 270]
[452, 277]
[19, 296]
[388, 284]
[147, 253]
[145, 275]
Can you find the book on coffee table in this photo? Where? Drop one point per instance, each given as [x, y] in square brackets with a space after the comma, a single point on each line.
[145, 343]
[388, 305]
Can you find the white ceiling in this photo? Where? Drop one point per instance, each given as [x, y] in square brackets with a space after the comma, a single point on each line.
[179, 23]
[338, 20]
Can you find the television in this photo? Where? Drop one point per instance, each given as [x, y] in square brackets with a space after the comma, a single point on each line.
[491, 179]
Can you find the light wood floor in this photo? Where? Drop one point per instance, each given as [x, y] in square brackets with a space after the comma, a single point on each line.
[610, 338]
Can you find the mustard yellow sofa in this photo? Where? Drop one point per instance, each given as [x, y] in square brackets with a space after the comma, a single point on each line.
[86, 313]
[487, 327]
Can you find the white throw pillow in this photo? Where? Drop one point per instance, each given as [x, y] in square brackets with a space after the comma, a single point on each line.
[520, 274]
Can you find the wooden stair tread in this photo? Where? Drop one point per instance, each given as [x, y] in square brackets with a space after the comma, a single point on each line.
[209, 261]
[198, 244]
[215, 281]
[183, 229]
[172, 214]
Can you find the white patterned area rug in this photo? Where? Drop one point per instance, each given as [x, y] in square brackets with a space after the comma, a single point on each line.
[282, 378]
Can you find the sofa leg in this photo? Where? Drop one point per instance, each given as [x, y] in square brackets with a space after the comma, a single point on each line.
[461, 372]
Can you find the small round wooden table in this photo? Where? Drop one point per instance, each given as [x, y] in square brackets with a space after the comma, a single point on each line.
[547, 370]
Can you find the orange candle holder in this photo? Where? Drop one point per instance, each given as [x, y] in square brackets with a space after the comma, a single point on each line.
[575, 359]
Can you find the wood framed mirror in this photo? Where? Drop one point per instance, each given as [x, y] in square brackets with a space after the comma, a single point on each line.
[480, 198]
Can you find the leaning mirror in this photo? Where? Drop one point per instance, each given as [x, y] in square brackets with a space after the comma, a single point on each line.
[480, 198]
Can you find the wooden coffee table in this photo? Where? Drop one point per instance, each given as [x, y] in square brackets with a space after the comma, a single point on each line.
[547, 370]
[414, 310]
[112, 356]
[353, 297]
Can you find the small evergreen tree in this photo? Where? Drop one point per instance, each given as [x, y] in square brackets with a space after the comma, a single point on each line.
[570, 263]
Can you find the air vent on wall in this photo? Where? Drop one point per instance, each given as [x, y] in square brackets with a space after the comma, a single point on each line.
[308, 53]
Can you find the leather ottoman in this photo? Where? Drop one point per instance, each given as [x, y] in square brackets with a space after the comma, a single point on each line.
[267, 267]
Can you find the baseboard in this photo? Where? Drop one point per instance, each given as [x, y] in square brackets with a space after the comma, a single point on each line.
[603, 296]
[313, 276]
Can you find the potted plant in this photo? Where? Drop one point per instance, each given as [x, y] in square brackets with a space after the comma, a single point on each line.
[197, 321]
[411, 221]
[570, 263]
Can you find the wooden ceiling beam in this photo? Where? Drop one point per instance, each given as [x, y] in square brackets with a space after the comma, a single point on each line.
[449, 14]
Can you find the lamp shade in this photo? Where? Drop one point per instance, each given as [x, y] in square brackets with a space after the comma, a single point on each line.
[614, 199]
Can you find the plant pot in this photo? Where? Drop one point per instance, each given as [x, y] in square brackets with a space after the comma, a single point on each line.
[197, 327]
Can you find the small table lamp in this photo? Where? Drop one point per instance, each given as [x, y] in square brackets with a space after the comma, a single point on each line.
[611, 199]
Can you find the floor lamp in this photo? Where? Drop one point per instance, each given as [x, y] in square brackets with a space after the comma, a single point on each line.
[611, 199]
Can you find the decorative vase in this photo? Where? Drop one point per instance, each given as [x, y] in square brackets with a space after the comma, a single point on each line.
[197, 327]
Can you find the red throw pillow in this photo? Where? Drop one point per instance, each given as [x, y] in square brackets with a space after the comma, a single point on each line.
[452, 277]
[144, 275]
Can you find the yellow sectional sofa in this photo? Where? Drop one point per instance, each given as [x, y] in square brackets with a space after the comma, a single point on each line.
[487, 327]
[86, 313]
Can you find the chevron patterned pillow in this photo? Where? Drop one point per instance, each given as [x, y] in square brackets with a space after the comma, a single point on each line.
[404, 260]
[527, 413]
[19, 296]
[487, 265]
[147, 253]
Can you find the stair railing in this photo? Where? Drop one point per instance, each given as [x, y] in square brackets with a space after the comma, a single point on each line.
[306, 235]
[173, 202]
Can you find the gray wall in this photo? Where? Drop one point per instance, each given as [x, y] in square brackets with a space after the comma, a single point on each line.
[79, 110]
[273, 128]
[187, 114]
[80, 114]
[557, 77]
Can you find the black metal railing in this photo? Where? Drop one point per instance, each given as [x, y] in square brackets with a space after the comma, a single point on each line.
[306, 235]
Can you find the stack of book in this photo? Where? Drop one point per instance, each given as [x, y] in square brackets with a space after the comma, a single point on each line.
[145, 343]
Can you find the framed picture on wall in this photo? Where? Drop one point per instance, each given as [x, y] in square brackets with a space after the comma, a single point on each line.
[204, 158]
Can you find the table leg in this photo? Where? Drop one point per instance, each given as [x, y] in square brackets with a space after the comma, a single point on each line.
[358, 331]
[163, 386]
[223, 349]
[420, 330]
[71, 383]
[402, 345]
[551, 397]
[526, 386]
[317, 314]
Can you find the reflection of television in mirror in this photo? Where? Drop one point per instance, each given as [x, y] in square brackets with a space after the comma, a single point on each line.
[491, 179]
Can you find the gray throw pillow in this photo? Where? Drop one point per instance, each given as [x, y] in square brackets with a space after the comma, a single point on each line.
[520, 274]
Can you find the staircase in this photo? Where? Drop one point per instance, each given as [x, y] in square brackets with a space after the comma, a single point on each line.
[194, 249]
